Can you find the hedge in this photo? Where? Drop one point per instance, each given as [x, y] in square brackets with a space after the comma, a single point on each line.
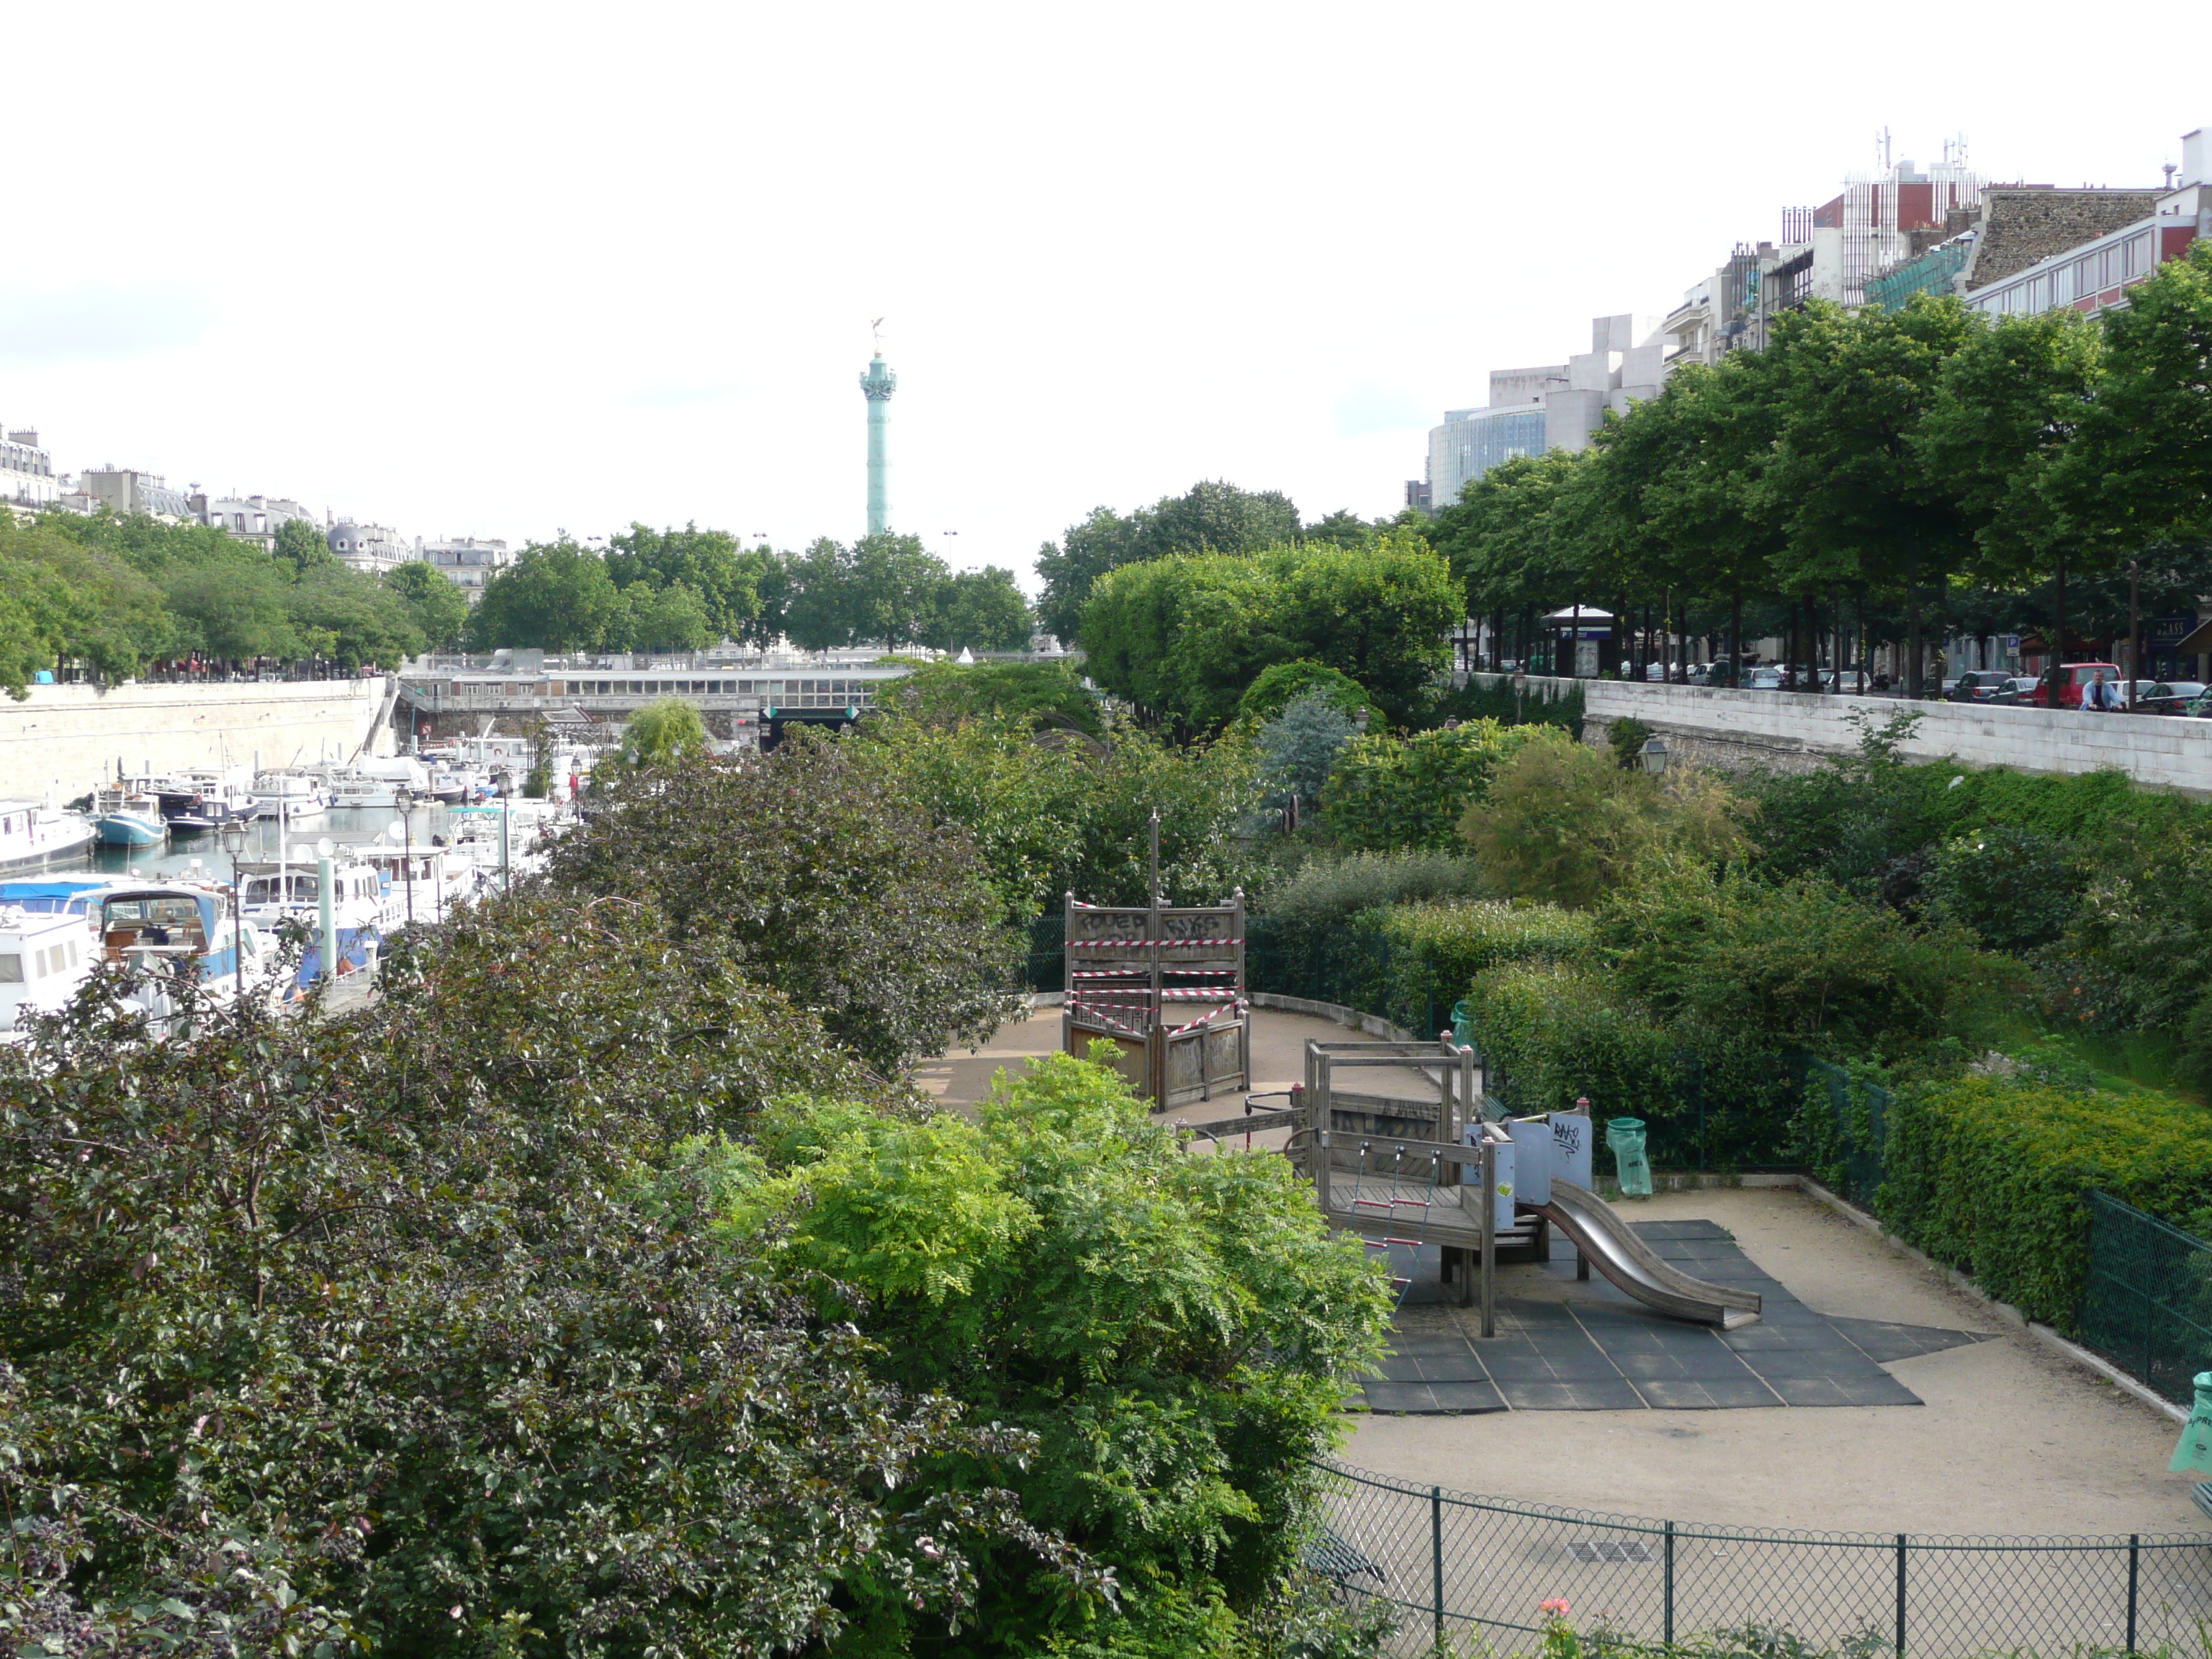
[1437, 949]
[1552, 1032]
[1987, 1175]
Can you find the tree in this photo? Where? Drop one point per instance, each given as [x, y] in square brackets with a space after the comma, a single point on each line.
[555, 597]
[978, 610]
[1211, 517]
[355, 620]
[1861, 501]
[1298, 749]
[438, 608]
[666, 733]
[1342, 528]
[2138, 472]
[706, 562]
[849, 897]
[234, 611]
[1999, 432]
[883, 588]
[1025, 694]
[671, 618]
[1282, 684]
[300, 544]
[1183, 636]
[425, 1356]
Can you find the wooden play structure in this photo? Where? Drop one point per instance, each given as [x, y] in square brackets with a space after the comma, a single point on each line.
[1166, 986]
[1426, 1167]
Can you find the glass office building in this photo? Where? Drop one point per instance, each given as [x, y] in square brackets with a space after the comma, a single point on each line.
[1471, 441]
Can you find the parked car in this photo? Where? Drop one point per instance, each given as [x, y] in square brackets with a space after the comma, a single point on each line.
[1764, 679]
[2170, 697]
[2018, 688]
[1980, 686]
[2078, 678]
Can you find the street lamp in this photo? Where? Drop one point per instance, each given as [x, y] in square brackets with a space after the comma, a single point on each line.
[403, 799]
[1520, 694]
[233, 842]
[1654, 756]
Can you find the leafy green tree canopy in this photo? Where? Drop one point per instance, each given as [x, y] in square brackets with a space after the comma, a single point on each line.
[669, 732]
[850, 897]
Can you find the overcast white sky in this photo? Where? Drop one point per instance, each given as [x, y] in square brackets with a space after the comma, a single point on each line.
[466, 270]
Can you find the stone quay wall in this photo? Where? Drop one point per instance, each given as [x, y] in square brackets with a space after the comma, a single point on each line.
[66, 739]
[1796, 731]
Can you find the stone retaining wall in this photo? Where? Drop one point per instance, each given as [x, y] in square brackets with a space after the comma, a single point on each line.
[66, 740]
[1795, 731]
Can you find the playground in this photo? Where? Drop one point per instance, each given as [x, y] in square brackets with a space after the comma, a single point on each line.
[1868, 1394]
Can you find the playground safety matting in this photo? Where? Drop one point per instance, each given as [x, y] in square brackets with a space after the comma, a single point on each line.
[1565, 1346]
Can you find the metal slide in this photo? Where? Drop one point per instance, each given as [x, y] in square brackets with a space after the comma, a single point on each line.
[1609, 1244]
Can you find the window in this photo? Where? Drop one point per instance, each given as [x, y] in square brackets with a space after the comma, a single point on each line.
[11, 967]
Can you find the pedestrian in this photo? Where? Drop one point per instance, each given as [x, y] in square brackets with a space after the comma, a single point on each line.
[2098, 695]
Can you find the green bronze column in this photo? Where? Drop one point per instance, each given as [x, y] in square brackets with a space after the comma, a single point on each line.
[876, 386]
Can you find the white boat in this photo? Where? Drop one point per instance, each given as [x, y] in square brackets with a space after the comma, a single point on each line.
[375, 783]
[207, 798]
[423, 886]
[153, 928]
[34, 838]
[128, 813]
[293, 797]
[44, 958]
[276, 891]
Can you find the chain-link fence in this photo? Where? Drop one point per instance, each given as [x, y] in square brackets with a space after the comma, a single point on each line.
[1473, 1574]
[2147, 1297]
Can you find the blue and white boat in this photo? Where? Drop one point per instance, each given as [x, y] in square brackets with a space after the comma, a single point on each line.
[153, 927]
[273, 892]
[32, 838]
[128, 813]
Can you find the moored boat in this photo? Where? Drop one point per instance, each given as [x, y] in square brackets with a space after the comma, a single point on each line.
[293, 796]
[128, 813]
[207, 798]
[34, 838]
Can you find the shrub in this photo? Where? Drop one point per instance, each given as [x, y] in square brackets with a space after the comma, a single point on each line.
[1553, 1031]
[1298, 749]
[1803, 963]
[2019, 889]
[1436, 951]
[1564, 825]
[1302, 943]
[1986, 1174]
[1627, 737]
[1175, 1331]
[848, 896]
[404, 1369]
[1283, 683]
[2142, 941]
[1391, 792]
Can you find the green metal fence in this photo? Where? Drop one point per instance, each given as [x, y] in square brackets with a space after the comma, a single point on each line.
[1473, 1572]
[1845, 1147]
[2147, 1297]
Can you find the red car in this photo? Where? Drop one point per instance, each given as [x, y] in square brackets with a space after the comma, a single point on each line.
[2078, 675]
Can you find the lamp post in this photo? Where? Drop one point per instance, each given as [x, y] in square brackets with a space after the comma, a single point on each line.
[403, 799]
[1519, 696]
[1653, 756]
[234, 843]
